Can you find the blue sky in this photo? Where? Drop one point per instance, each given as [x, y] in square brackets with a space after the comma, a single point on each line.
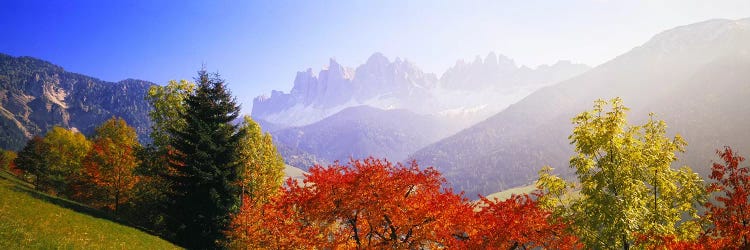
[258, 46]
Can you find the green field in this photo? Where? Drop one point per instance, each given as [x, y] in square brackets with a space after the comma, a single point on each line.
[33, 220]
[294, 173]
[505, 194]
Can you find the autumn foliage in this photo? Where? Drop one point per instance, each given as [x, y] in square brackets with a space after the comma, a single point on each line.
[7, 162]
[520, 223]
[728, 215]
[373, 203]
[109, 166]
[731, 212]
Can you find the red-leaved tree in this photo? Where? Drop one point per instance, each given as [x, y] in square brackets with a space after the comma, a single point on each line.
[368, 203]
[373, 203]
[519, 223]
[730, 212]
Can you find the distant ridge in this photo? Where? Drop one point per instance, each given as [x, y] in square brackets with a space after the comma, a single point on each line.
[359, 132]
[467, 91]
[696, 77]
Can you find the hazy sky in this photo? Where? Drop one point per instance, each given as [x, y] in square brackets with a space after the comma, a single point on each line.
[258, 46]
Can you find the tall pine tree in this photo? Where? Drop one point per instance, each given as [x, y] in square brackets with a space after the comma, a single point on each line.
[205, 194]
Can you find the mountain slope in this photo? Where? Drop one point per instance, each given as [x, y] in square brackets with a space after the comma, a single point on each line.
[33, 220]
[696, 77]
[359, 132]
[36, 95]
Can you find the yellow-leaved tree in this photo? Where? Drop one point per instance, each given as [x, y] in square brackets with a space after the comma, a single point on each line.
[261, 176]
[262, 168]
[66, 151]
[626, 192]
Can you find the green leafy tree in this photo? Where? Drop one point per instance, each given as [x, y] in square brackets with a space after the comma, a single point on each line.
[626, 185]
[261, 165]
[67, 149]
[205, 191]
[168, 104]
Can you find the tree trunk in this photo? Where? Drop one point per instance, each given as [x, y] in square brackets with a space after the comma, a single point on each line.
[117, 201]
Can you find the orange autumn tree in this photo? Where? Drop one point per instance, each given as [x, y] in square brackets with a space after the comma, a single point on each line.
[268, 225]
[109, 166]
[730, 212]
[520, 223]
[368, 203]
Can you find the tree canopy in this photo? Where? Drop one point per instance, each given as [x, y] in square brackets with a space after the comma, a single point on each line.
[168, 103]
[110, 165]
[730, 212]
[625, 181]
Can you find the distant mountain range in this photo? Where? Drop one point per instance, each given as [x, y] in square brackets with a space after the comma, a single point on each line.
[695, 77]
[466, 92]
[36, 95]
[389, 109]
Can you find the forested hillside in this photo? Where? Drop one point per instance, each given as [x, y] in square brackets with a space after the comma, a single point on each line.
[36, 95]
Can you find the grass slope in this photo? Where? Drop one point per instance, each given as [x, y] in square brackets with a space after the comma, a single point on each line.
[33, 220]
[504, 195]
[293, 172]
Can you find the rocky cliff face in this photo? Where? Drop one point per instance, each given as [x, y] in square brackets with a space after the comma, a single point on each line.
[36, 95]
[379, 83]
[331, 87]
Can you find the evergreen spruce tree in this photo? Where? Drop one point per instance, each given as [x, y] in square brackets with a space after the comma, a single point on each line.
[205, 194]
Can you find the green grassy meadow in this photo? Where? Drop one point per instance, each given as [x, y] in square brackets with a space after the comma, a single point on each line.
[33, 220]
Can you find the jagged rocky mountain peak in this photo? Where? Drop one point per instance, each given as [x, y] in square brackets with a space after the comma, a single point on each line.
[400, 83]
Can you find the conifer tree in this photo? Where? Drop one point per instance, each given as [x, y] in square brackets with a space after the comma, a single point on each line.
[205, 194]
[31, 161]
